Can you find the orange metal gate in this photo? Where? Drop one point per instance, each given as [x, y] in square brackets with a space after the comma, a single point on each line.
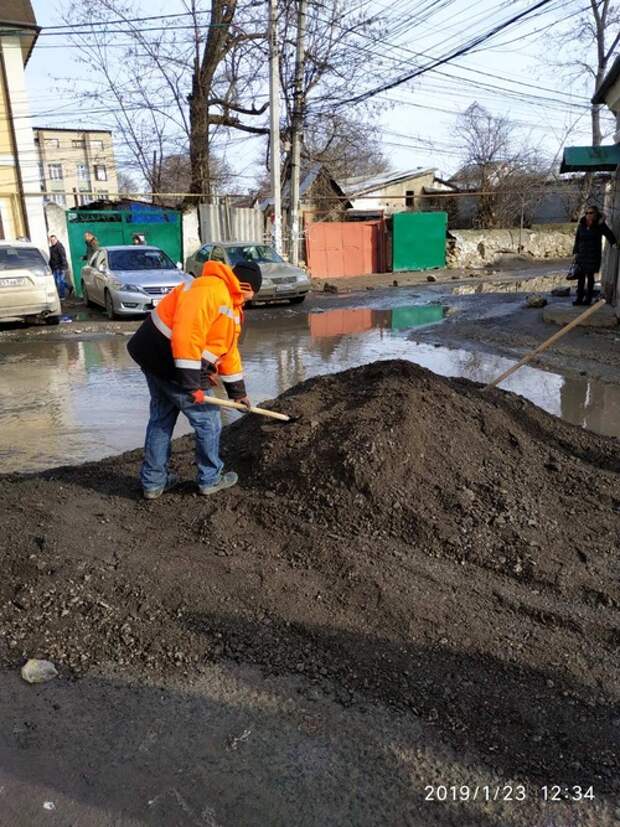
[345, 248]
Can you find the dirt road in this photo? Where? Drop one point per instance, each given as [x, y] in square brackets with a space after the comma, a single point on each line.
[414, 585]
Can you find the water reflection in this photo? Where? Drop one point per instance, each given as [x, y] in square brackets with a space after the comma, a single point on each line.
[70, 401]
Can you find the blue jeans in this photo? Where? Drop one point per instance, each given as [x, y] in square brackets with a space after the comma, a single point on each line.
[167, 399]
[61, 284]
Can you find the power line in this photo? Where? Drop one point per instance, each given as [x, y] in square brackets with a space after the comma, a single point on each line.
[443, 60]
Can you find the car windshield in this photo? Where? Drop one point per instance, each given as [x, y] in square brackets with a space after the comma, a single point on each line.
[139, 259]
[253, 252]
[21, 258]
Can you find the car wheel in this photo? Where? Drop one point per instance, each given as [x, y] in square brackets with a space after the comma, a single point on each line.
[87, 300]
[109, 306]
[298, 299]
[52, 320]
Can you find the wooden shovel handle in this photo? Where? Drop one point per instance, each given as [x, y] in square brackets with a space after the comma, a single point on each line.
[547, 343]
[230, 403]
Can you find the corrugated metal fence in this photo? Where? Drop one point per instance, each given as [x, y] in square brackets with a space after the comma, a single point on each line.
[221, 222]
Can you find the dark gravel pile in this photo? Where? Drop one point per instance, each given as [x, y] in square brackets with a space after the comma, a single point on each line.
[409, 540]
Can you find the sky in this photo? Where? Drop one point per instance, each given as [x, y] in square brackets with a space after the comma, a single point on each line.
[516, 74]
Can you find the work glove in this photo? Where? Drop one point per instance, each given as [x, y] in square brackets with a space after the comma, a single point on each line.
[199, 396]
[245, 400]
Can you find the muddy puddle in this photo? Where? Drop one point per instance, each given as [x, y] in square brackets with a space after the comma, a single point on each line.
[71, 401]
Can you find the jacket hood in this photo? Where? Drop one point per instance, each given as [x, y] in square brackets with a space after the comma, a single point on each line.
[222, 271]
[599, 221]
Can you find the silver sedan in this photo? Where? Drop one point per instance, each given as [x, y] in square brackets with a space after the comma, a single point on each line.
[129, 279]
[281, 280]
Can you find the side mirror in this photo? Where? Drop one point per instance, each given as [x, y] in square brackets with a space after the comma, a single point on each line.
[179, 265]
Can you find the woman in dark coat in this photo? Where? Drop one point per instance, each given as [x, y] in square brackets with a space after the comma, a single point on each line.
[588, 250]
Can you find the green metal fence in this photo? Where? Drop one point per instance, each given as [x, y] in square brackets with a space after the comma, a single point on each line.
[160, 227]
[418, 240]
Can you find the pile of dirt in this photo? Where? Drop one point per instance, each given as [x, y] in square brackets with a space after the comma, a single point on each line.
[409, 540]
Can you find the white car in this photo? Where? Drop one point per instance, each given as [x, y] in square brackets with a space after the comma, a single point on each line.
[27, 287]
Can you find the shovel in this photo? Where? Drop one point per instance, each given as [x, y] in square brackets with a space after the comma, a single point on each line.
[229, 403]
[547, 343]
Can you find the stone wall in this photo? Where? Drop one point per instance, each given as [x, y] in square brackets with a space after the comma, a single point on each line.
[478, 248]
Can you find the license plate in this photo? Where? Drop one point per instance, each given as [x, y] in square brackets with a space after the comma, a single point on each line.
[156, 302]
[13, 282]
[284, 288]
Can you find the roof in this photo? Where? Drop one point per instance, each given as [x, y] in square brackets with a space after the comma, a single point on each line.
[608, 81]
[360, 184]
[18, 15]
[591, 158]
[68, 129]
[6, 242]
[305, 184]
[114, 247]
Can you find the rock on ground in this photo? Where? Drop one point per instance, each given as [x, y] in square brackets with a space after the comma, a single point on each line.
[38, 671]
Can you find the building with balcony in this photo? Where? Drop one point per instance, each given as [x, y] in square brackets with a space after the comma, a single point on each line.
[76, 166]
[21, 204]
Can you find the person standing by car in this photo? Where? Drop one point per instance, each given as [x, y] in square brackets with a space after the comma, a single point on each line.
[587, 251]
[189, 340]
[59, 265]
[92, 245]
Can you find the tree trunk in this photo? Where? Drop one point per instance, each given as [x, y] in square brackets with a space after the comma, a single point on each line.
[200, 182]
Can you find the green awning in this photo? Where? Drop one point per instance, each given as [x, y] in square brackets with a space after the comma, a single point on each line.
[591, 158]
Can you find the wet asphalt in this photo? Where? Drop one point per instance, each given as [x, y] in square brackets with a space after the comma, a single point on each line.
[73, 394]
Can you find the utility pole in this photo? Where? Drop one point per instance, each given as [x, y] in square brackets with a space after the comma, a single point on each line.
[297, 126]
[274, 126]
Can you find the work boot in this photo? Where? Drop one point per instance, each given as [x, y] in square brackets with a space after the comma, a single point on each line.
[227, 480]
[154, 493]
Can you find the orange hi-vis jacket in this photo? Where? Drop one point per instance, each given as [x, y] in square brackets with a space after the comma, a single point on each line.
[198, 323]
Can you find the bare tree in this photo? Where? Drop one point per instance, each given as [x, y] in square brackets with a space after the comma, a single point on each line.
[171, 86]
[346, 147]
[596, 34]
[176, 176]
[593, 39]
[507, 175]
[336, 59]
[127, 184]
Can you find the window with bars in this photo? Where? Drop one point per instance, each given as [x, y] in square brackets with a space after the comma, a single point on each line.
[82, 173]
[56, 198]
[54, 172]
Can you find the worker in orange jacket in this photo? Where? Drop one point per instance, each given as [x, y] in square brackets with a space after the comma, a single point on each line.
[189, 340]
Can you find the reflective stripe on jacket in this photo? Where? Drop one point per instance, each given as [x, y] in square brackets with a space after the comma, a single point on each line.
[201, 321]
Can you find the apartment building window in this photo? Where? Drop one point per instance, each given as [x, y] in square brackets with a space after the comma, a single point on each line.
[98, 145]
[56, 198]
[101, 173]
[85, 198]
[52, 143]
[409, 198]
[82, 173]
[78, 143]
[55, 172]
[103, 195]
